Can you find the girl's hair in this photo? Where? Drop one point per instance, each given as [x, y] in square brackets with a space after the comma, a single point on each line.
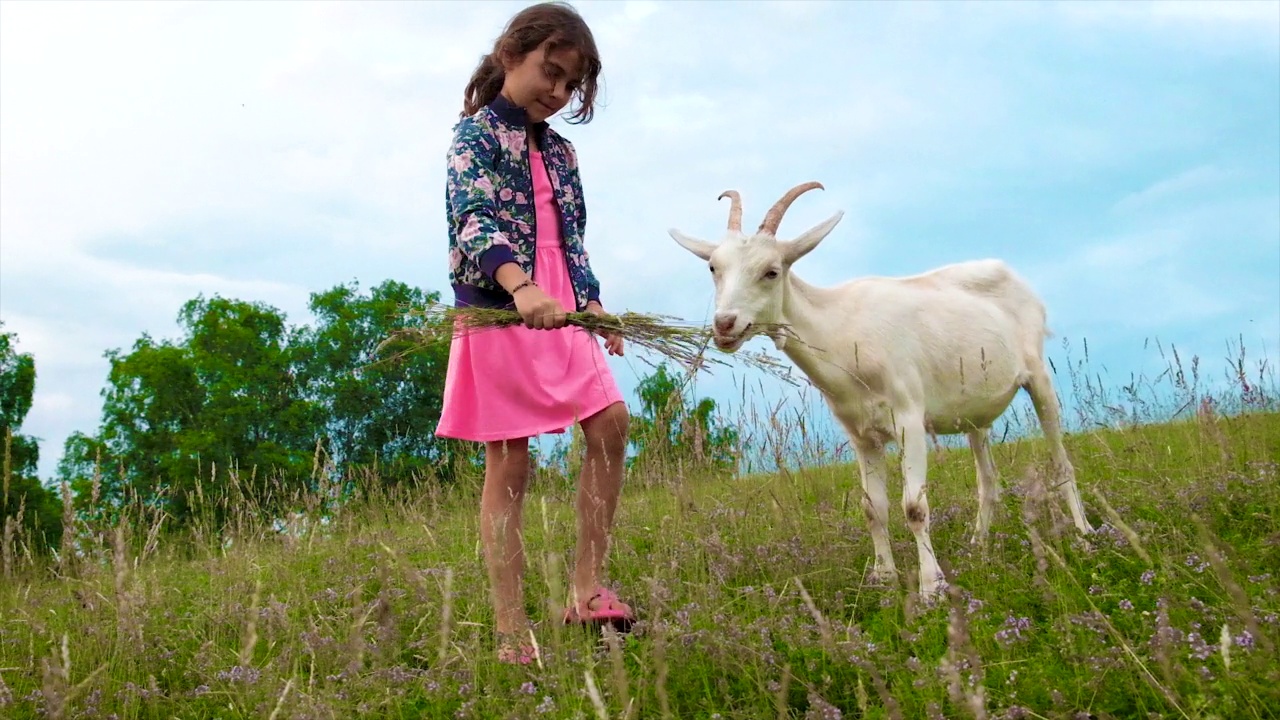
[557, 22]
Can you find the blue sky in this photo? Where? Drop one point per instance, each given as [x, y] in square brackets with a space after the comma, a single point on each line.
[1124, 157]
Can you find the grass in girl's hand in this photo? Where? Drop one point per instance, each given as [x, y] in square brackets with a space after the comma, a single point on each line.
[668, 337]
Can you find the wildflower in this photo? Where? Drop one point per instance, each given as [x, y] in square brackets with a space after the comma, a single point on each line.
[1148, 576]
[1012, 630]
[238, 674]
[528, 688]
[1125, 604]
[546, 706]
[1199, 648]
[820, 709]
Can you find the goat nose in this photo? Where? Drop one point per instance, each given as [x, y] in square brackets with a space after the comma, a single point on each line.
[725, 322]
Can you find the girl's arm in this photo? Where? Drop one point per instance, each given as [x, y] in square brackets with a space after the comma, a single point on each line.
[472, 189]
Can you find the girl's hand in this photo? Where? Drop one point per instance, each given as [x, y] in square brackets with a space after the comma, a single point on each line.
[612, 341]
[539, 310]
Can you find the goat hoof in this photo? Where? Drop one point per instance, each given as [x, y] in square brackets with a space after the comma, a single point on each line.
[883, 577]
[935, 591]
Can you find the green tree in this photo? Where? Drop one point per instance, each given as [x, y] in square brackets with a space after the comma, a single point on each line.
[224, 399]
[22, 491]
[152, 404]
[254, 413]
[379, 408]
[95, 477]
[673, 428]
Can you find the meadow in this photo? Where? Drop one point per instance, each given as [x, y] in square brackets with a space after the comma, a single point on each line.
[750, 588]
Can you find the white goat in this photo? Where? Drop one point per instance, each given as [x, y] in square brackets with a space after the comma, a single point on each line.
[896, 359]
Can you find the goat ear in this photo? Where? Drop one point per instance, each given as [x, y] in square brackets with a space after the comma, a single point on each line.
[793, 250]
[701, 248]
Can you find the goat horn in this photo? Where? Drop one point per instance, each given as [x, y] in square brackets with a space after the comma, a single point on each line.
[773, 218]
[735, 210]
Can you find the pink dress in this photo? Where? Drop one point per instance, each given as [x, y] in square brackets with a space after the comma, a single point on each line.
[516, 382]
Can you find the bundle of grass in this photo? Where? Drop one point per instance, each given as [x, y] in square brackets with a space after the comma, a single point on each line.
[674, 339]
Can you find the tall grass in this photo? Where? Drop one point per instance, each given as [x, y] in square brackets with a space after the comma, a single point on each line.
[751, 589]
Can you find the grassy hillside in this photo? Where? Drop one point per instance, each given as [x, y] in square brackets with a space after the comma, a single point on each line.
[384, 612]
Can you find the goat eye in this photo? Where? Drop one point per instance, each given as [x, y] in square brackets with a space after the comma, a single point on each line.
[770, 275]
[713, 269]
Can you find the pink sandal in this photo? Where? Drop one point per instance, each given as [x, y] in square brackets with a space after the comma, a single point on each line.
[611, 611]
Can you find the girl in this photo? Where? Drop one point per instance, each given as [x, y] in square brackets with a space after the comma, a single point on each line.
[516, 222]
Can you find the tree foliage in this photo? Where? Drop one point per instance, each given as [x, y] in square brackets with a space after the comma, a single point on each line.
[378, 412]
[243, 408]
[21, 494]
[674, 428]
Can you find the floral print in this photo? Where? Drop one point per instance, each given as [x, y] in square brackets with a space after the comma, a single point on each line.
[489, 203]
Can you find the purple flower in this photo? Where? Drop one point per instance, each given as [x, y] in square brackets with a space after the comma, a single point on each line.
[820, 709]
[239, 674]
[1125, 604]
[1200, 650]
[1244, 640]
[1148, 576]
[528, 688]
[1012, 630]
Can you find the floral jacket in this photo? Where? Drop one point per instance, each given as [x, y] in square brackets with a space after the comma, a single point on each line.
[489, 204]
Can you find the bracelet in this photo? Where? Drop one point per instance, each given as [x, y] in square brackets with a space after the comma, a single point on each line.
[521, 286]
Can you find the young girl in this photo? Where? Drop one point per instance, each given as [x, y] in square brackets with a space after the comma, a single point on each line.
[516, 223]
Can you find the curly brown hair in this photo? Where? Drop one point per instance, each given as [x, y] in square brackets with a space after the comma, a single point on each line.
[556, 23]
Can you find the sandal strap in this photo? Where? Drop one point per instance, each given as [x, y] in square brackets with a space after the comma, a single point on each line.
[609, 600]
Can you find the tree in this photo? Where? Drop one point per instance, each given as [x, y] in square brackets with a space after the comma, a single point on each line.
[224, 399]
[379, 409]
[674, 429]
[22, 491]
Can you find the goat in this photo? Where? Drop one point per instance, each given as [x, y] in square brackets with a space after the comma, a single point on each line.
[896, 359]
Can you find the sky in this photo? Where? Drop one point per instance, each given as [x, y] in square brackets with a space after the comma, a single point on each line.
[1123, 157]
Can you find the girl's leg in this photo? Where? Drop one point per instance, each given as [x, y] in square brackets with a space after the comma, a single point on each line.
[506, 471]
[605, 434]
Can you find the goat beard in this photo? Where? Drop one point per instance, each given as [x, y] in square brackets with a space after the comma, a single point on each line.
[779, 339]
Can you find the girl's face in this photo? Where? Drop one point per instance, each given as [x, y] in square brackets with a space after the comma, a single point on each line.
[542, 83]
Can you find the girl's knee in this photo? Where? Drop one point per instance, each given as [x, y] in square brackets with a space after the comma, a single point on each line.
[609, 428]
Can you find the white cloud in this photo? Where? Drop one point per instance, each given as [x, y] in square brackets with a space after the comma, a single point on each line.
[1258, 15]
[1171, 188]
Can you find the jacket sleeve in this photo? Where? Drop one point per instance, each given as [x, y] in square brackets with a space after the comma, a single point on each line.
[473, 203]
[593, 285]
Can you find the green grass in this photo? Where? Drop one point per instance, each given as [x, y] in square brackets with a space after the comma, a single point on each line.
[384, 611]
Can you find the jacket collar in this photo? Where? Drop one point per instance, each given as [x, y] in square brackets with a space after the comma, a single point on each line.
[513, 114]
